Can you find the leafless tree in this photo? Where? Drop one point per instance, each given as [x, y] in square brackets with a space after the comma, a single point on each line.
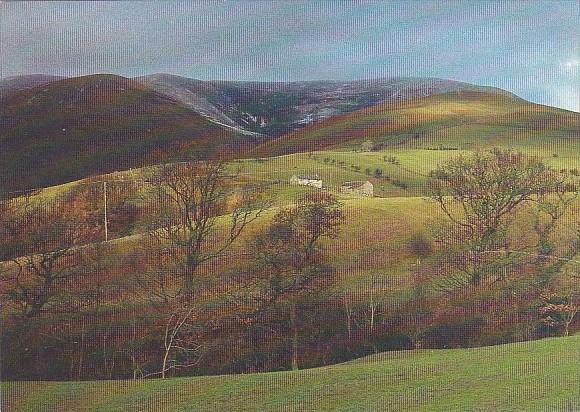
[181, 348]
[559, 311]
[480, 195]
[372, 302]
[346, 300]
[550, 207]
[202, 209]
[46, 237]
[192, 197]
[289, 259]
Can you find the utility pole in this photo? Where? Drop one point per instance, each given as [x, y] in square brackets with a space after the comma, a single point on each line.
[105, 199]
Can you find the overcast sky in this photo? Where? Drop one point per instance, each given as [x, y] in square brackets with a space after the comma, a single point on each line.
[527, 47]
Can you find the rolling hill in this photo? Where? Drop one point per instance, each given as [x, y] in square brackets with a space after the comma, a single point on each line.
[56, 130]
[455, 120]
[15, 84]
[530, 376]
[82, 126]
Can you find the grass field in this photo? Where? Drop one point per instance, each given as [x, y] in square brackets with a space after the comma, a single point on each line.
[531, 376]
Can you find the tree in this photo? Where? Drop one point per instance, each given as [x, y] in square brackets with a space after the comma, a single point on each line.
[192, 197]
[372, 302]
[550, 207]
[420, 246]
[46, 237]
[289, 260]
[180, 346]
[201, 210]
[6, 215]
[558, 311]
[480, 195]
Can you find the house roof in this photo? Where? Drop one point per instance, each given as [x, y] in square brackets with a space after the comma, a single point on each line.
[309, 177]
[355, 184]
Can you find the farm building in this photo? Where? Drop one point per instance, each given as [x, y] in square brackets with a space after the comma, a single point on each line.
[306, 180]
[358, 188]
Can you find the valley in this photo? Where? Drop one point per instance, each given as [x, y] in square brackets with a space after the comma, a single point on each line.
[386, 283]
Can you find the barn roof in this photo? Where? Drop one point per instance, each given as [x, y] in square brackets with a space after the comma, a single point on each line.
[355, 184]
[309, 177]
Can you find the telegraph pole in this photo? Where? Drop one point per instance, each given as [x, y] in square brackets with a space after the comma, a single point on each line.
[105, 199]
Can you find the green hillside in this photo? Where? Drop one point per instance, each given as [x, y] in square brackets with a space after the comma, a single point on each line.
[531, 376]
[82, 126]
[456, 121]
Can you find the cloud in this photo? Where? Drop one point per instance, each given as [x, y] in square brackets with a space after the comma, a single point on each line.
[571, 66]
[496, 43]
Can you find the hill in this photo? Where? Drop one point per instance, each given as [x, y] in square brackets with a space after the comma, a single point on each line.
[456, 120]
[275, 108]
[539, 375]
[15, 84]
[57, 130]
[82, 126]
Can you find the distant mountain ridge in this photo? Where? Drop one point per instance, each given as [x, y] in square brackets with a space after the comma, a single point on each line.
[276, 108]
[15, 84]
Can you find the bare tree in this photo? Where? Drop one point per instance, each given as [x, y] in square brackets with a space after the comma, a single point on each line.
[6, 247]
[192, 197]
[480, 195]
[181, 348]
[346, 300]
[289, 259]
[46, 237]
[202, 210]
[372, 302]
[550, 207]
[559, 311]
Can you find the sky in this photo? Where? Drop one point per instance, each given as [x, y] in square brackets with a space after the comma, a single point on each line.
[528, 47]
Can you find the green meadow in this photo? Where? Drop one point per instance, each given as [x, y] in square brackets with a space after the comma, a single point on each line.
[527, 376]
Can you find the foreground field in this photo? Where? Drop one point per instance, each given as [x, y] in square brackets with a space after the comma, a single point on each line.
[539, 375]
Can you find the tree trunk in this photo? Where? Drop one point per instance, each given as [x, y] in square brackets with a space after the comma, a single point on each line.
[372, 323]
[165, 357]
[188, 284]
[82, 353]
[348, 311]
[372, 308]
[294, 326]
[133, 356]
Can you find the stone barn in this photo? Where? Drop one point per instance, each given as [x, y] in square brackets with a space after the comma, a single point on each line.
[306, 180]
[358, 188]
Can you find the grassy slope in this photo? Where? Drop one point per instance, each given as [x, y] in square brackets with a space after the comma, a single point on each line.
[78, 127]
[469, 121]
[540, 375]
